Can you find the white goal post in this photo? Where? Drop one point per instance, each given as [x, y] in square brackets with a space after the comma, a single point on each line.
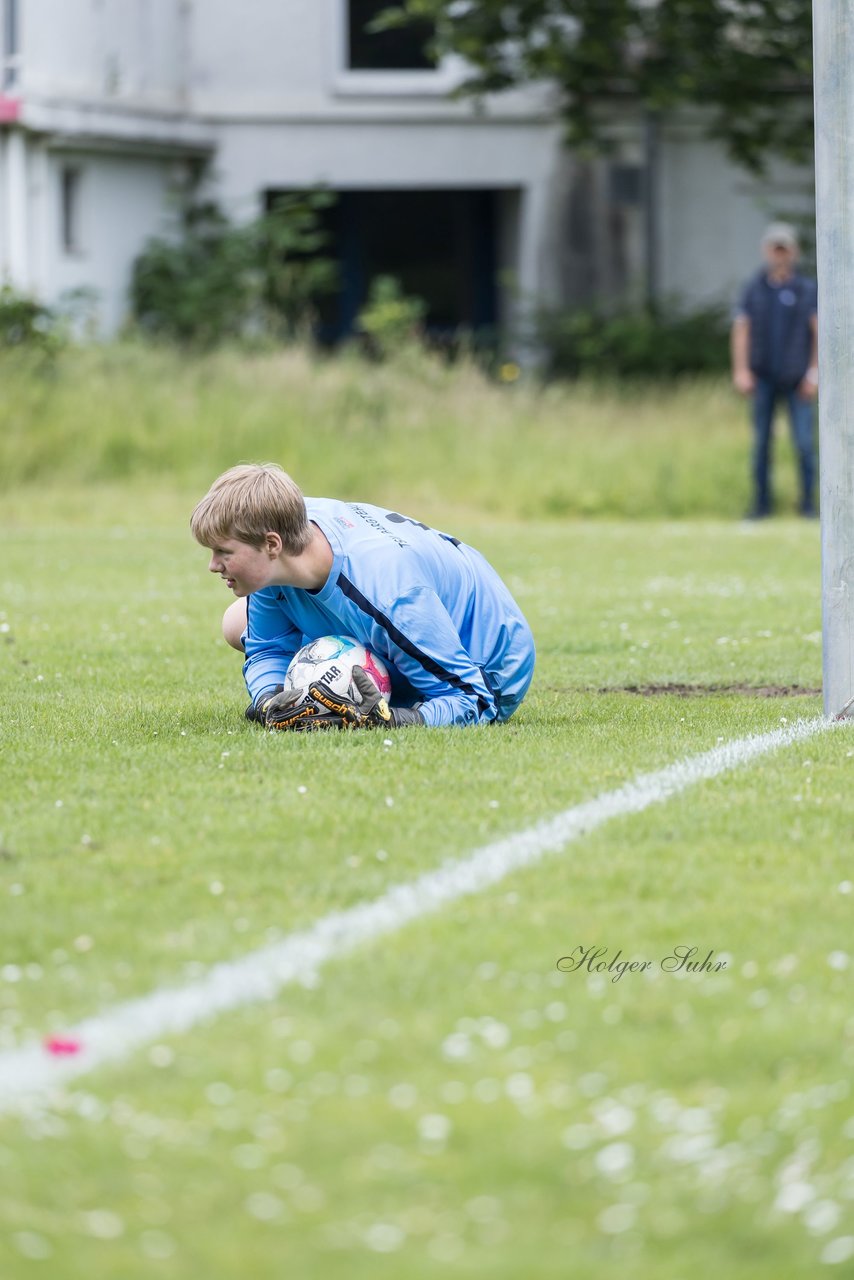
[833, 50]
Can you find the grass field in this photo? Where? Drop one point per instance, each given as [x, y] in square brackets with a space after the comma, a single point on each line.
[425, 432]
[444, 1101]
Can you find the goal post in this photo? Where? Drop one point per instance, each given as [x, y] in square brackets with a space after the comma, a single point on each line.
[833, 51]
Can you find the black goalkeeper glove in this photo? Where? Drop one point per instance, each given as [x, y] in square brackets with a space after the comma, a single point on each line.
[280, 708]
[255, 712]
[297, 709]
[373, 712]
[320, 708]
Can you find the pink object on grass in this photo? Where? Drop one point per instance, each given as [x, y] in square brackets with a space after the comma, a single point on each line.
[62, 1047]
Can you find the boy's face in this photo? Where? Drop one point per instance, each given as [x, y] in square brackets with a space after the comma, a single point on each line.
[242, 567]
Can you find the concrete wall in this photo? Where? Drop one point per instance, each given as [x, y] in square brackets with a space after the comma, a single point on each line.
[258, 56]
[282, 56]
[117, 50]
[102, 86]
[713, 214]
[121, 200]
[137, 193]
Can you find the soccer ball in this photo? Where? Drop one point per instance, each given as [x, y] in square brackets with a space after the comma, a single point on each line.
[331, 659]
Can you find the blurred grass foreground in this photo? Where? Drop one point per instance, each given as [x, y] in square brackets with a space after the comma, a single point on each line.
[412, 431]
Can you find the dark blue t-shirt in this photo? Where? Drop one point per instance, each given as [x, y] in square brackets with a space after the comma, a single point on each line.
[780, 326]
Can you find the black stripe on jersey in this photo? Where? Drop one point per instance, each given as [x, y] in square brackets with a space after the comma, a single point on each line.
[403, 642]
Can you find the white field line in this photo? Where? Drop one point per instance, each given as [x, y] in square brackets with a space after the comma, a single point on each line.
[30, 1074]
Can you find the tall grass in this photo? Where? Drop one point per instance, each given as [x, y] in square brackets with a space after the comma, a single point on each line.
[413, 432]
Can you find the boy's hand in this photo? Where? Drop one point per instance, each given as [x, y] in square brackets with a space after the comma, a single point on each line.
[320, 708]
[255, 711]
[295, 709]
[373, 712]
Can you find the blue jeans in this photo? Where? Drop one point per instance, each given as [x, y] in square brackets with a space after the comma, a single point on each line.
[765, 399]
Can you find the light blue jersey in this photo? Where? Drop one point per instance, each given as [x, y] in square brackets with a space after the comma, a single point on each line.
[439, 615]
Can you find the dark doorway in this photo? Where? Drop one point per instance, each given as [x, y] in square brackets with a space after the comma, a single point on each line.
[439, 244]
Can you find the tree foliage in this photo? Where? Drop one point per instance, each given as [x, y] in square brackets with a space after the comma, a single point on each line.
[746, 63]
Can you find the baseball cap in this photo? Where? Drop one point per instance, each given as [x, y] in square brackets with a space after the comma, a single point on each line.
[781, 233]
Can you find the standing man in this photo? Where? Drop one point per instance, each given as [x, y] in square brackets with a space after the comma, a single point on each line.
[774, 348]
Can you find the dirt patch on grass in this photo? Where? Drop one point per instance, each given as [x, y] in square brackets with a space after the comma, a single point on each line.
[703, 690]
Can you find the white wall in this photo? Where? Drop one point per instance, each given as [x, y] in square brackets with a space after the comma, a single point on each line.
[254, 156]
[713, 214]
[119, 50]
[261, 52]
[286, 58]
[123, 201]
[13, 209]
[103, 87]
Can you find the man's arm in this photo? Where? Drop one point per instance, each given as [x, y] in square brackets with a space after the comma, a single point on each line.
[739, 346]
[808, 387]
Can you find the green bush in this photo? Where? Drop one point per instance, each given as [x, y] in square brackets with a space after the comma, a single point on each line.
[27, 323]
[219, 281]
[633, 344]
[389, 320]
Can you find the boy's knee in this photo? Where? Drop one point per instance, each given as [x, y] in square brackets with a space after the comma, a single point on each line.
[234, 624]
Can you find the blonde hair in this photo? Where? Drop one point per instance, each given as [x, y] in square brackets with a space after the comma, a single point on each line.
[250, 501]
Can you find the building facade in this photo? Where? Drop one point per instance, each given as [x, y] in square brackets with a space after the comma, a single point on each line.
[112, 112]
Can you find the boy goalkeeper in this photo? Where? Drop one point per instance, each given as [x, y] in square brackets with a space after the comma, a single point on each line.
[456, 644]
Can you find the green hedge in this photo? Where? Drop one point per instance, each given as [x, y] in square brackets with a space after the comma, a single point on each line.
[634, 344]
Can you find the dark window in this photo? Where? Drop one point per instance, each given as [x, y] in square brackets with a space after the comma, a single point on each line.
[400, 49]
[626, 184]
[70, 209]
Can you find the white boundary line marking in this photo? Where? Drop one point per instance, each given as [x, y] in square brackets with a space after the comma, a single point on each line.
[30, 1074]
